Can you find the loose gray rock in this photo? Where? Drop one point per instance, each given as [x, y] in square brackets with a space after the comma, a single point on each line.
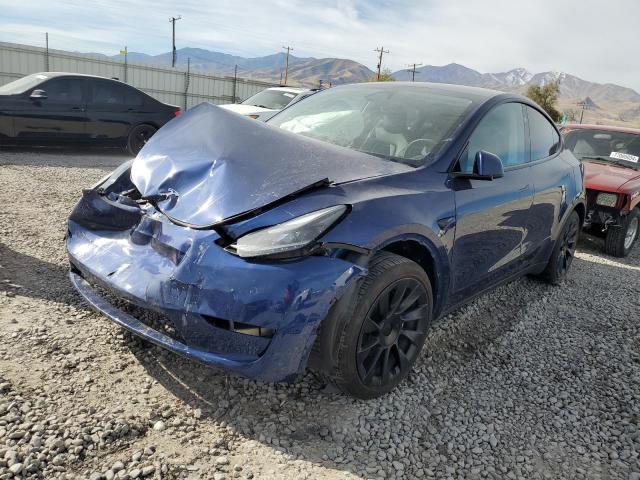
[527, 381]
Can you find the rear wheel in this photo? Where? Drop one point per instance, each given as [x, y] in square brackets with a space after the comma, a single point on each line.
[377, 347]
[138, 137]
[620, 240]
[563, 251]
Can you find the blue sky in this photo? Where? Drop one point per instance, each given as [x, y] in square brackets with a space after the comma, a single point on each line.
[592, 39]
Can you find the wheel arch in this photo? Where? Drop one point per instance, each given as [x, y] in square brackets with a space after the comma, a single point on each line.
[421, 251]
[581, 210]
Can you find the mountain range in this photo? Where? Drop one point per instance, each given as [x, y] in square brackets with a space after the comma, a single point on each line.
[304, 71]
[605, 103]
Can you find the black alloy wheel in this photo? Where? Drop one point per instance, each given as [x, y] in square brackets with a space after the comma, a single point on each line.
[569, 240]
[138, 137]
[393, 332]
[373, 336]
[564, 251]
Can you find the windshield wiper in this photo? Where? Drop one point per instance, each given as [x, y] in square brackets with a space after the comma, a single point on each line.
[607, 159]
[391, 158]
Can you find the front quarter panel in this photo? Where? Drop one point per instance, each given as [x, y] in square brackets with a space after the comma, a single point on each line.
[632, 191]
[384, 210]
[407, 208]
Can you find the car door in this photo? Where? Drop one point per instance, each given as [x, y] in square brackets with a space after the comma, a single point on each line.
[59, 114]
[112, 109]
[550, 176]
[491, 215]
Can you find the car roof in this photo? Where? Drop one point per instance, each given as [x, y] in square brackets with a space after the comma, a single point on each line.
[436, 87]
[289, 89]
[83, 75]
[606, 128]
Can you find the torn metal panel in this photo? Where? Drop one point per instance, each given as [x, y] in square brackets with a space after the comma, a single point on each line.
[211, 164]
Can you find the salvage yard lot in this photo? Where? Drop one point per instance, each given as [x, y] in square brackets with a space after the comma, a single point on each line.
[529, 381]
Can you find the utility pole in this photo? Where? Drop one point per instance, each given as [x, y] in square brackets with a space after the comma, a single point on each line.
[125, 52]
[174, 55]
[413, 70]
[186, 83]
[286, 65]
[46, 52]
[584, 106]
[235, 81]
[381, 50]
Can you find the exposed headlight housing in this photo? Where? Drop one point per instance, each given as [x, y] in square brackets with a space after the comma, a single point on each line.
[289, 238]
[113, 176]
[607, 199]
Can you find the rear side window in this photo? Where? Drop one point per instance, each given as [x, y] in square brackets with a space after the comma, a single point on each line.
[500, 132]
[111, 93]
[64, 90]
[545, 140]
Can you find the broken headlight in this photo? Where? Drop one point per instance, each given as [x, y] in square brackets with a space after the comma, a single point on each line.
[288, 237]
[607, 199]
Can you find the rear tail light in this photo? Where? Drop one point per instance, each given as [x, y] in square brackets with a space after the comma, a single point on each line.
[177, 113]
[253, 116]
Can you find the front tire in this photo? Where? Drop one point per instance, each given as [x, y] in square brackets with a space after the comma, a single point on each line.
[138, 137]
[563, 251]
[620, 240]
[377, 347]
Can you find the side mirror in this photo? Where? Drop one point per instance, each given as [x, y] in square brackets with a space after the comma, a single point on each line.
[487, 166]
[38, 95]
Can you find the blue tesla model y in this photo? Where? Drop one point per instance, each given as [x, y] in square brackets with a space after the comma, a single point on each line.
[332, 236]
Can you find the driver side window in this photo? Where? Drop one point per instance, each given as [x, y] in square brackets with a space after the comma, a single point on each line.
[500, 132]
[66, 91]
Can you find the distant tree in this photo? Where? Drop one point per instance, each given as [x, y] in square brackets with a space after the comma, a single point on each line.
[571, 115]
[386, 75]
[546, 96]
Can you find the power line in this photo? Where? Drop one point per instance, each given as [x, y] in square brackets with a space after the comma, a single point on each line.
[286, 65]
[174, 54]
[413, 70]
[381, 50]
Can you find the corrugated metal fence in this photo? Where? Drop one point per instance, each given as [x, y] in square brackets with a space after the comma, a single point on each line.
[168, 85]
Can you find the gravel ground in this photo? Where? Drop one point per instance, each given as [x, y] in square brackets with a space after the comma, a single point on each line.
[529, 381]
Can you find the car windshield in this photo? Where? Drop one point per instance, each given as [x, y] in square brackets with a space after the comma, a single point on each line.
[395, 122]
[23, 84]
[613, 147]
[271, 99]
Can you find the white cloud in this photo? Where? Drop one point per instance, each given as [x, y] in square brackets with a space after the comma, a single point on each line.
[592, 39]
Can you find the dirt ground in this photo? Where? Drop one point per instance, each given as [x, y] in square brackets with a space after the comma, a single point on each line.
[529, 381]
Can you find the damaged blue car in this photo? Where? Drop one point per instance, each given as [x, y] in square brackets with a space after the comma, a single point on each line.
[332, 236]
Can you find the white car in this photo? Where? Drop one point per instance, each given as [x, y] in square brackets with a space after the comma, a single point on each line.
[268, 102]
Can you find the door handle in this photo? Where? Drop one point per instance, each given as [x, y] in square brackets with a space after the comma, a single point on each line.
[77, 109]
[522, 189]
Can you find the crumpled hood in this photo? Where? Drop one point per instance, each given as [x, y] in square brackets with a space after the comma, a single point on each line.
[610, 178]
[209, 165]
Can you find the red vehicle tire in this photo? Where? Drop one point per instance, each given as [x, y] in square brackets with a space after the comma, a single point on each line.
[620, 240]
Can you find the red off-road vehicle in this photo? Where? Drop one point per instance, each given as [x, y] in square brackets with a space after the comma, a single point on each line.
[611, 160]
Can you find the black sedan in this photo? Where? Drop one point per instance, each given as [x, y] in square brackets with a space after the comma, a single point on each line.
[64, 107]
